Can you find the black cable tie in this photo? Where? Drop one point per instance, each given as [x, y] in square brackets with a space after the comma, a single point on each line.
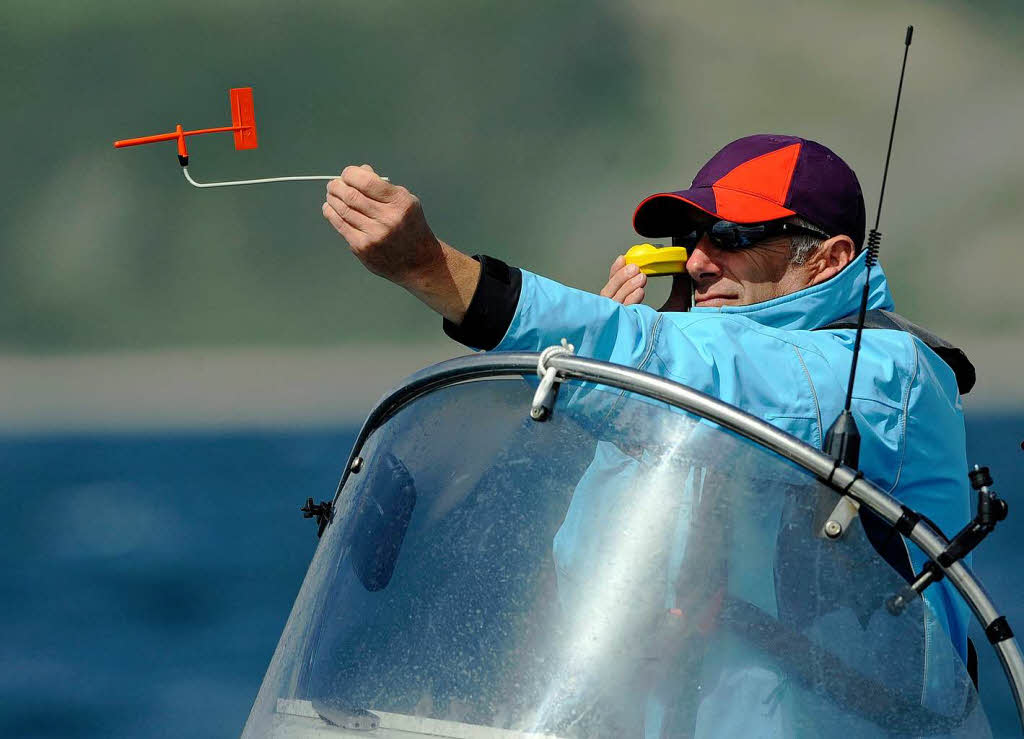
[858, 476]
[999, 630]
[907, 521]
[937, 572]
[835, 466]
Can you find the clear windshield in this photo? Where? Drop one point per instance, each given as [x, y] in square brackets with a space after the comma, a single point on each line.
[621, 570]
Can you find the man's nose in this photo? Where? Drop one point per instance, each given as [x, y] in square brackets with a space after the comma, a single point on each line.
[701, 264]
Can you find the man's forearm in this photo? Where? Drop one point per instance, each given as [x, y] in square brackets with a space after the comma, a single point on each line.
[448, 284]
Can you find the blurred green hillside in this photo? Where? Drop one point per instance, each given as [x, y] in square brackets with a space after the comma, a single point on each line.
[530, 130]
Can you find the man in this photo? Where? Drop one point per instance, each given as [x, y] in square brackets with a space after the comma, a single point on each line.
[777, 230]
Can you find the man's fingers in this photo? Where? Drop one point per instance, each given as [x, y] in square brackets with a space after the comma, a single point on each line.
[618, 279]
[368, 183]
[354, 199]
[352, 216]
[351, 234]
[615, 280]
[637, 296]
[628, 287]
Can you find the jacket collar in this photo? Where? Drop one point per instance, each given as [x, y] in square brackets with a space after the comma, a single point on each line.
[819, 305]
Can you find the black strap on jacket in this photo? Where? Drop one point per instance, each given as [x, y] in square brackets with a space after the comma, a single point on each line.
[951, 355]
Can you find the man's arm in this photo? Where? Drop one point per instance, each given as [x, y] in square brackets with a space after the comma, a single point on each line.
[386, 230]
[486, 304]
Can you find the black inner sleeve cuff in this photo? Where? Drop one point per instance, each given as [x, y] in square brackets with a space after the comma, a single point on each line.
[492, 308]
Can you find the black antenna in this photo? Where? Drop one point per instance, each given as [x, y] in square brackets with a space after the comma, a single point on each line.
[842, 442]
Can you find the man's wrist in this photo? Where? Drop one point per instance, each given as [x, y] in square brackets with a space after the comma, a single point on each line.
[446, 283]
[492, 307]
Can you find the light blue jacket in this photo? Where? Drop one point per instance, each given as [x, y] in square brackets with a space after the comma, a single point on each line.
[766, 360]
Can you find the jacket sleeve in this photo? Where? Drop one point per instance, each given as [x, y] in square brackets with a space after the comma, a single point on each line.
[492, 307]
[544, 312]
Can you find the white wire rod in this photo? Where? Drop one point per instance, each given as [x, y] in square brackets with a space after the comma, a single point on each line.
[265, 180]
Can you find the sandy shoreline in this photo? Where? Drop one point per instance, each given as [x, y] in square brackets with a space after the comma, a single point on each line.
[286, 387]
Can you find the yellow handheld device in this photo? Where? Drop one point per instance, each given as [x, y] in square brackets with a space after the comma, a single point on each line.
[658, 260]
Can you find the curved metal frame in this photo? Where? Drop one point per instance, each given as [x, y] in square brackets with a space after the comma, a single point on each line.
[840, 478]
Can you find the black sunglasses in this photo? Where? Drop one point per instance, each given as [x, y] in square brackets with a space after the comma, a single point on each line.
[736, 236]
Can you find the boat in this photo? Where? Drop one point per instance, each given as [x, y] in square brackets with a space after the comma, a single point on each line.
[601, 552]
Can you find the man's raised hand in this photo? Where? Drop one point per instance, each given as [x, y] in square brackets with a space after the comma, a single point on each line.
[386, 230]
[383, 224]
[626, 283]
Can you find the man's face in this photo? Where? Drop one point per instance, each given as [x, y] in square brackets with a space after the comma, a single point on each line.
[742, 277]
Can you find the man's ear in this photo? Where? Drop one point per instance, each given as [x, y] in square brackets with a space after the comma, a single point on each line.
[830, 258]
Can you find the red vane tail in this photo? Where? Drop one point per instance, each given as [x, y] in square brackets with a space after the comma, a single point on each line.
[243, 118]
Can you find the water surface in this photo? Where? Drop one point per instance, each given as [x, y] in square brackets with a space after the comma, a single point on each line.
[147, 577]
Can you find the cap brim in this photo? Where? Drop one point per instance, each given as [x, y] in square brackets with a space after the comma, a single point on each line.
[671, 213]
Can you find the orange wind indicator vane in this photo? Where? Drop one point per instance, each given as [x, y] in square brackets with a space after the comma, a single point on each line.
[243, 126]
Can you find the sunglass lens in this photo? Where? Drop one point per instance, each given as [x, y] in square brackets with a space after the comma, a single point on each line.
[725, 235]
[689, 240]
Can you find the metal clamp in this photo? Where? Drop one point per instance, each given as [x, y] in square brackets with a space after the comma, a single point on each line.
[322, 511]
[839, 519]
[991, 510]
[544, 397]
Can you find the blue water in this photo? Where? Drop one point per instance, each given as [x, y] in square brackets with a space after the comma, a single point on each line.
[147, 577]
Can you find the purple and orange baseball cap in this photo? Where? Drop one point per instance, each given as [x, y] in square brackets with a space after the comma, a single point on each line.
[763, 178]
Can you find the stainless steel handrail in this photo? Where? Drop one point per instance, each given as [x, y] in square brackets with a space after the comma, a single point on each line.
[841, 479]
